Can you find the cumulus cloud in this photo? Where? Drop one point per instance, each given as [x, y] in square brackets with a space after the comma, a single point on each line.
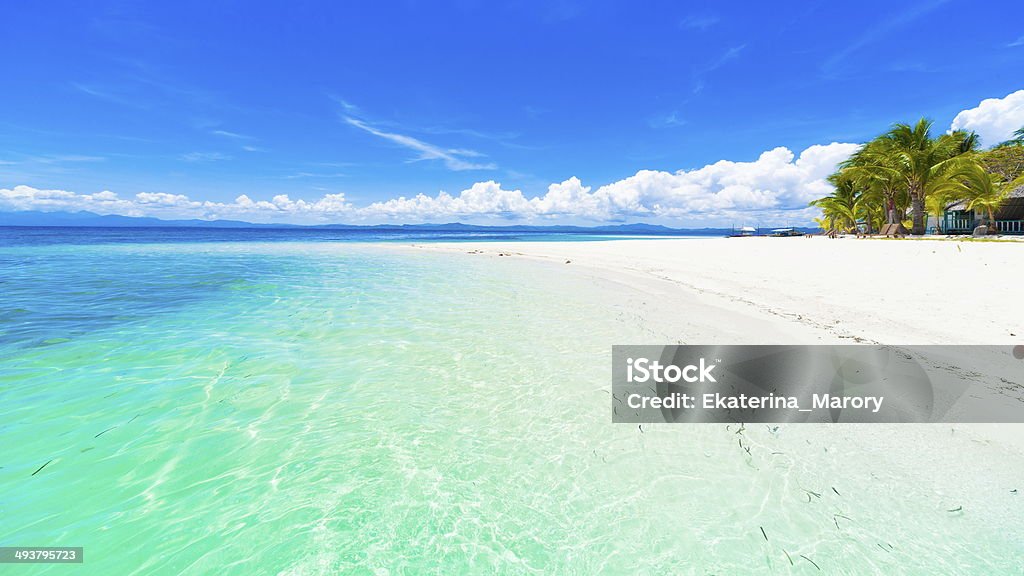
[777, 185]
[777, 182]
[163, 205]
[28, 198]
[483, 198]
[995, 119]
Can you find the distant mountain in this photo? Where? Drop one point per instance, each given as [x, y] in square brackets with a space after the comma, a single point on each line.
[638, 228]
[90, 219]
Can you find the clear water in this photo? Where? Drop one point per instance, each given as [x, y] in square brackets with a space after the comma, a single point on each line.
[42, 235]
[318, 408]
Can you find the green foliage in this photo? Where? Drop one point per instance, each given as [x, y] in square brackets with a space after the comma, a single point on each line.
[983, 190]
[1005, 161]
[906, 172]
[840, 209]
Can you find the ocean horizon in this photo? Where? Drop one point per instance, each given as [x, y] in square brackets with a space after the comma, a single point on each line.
[70, 235]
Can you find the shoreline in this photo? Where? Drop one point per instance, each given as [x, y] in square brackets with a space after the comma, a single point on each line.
[654, 283]
[809, 290]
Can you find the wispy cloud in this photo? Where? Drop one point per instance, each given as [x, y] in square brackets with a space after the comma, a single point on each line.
[880, 30]
[1017, 42]
[75, 158]
[204, 156]
[53, 159]
[314, 175]
[670, 120]
[723, 59]
[244, 140]
[347, 106]
[699, 21]
[110, 95]
[730, 54]
[499, 137]
[232, 135]
[453, 158]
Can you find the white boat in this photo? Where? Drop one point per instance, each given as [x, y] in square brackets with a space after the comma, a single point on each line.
[785, 232]
[743, 232]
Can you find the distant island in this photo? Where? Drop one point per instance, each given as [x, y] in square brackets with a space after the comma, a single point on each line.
[86, 219]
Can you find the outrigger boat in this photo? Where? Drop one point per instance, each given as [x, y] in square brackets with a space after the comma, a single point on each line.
[744, 232]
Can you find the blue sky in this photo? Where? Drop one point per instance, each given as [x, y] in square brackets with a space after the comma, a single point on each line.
[363, 104]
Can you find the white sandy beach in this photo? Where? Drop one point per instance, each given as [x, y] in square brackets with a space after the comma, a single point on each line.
[803, 290]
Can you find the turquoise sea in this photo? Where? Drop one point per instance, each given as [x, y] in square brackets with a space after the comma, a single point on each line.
[208, 402]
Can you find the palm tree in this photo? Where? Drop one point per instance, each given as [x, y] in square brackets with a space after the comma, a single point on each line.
[924, 162]
[873, 168]
[841, 208]
[981, 190]
[941, 197]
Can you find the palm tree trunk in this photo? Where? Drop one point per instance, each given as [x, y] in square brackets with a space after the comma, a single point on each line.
[917, 203]
[890, 214]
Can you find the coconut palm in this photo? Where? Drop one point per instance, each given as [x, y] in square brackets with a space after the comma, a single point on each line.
[941, 197]
[924, 162]
[980, 190]
[873, 168]
[843, 207]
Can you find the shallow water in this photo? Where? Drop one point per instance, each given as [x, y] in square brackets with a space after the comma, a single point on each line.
[308, 408]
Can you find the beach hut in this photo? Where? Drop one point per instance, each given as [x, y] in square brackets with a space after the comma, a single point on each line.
[958, 219]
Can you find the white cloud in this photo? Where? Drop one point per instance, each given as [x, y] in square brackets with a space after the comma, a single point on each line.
[204, 156]
[453, 158]
[777, 185]
[232, 135]
[777, 182]
[162, 199]
[52, 159]
[882, 29]
[481, 199]
[699, 21]
[995, 119]
[163, 205]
